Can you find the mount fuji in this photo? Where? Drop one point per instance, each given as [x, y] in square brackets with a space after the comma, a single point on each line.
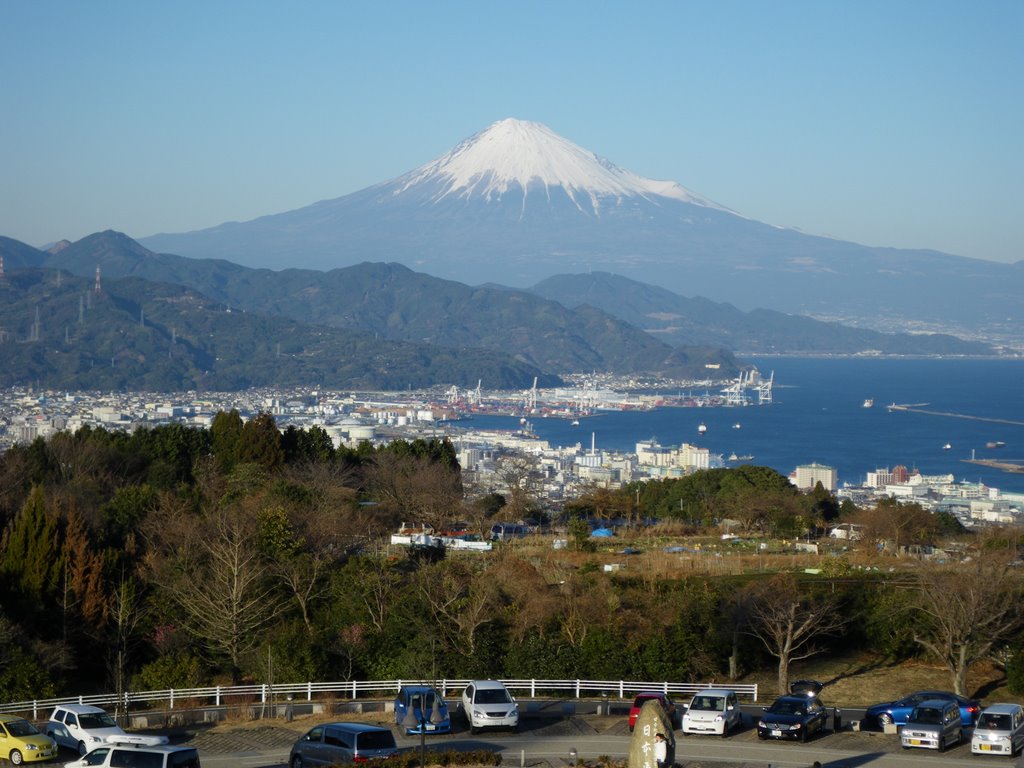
[517, 203]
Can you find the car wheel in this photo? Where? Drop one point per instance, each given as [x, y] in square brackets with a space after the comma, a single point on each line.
[82, 749]
[297, 761]
[884, 719]
[761, 736]
[473, 729]
[16, 757]
[803, 736]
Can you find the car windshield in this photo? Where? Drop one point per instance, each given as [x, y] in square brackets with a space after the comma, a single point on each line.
[21, 728]
[97, 720]
[491, 696]
[995, 722]
[709, 703]
[787, 707]
[416, 699]
[927, 715]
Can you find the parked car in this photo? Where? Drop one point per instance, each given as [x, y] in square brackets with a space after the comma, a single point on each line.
[796, 715]
[21, 742]
[1000, 731]
[428, 709]
[134, 755]
[488, 704]
[933, 724]
[897, 712]
[333, 743]
[716, 710]
[81, 727]
[663, 699]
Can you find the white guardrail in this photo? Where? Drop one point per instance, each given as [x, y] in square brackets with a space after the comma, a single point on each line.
[263, 692]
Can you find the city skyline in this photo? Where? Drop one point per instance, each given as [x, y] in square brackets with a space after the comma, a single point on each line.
[885, 125]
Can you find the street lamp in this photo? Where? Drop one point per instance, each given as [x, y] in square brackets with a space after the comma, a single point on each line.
[415, 717]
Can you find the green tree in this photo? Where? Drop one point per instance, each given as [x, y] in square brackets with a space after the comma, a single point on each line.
[226, 438]
[261, 443]
[30, 562]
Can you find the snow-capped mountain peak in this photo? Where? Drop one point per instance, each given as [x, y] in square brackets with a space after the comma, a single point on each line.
[527, 156]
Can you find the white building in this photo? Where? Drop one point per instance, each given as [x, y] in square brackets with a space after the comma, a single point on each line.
[807, 476]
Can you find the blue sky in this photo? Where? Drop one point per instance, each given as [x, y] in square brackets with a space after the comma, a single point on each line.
[888, 123]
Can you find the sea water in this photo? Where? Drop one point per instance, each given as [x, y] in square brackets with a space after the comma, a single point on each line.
[818, 415]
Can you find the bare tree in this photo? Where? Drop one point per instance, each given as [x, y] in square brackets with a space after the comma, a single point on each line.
[462, 599]
[967, 611]
[518, 473]
[788, 622]
[416, 488]
[211, 569]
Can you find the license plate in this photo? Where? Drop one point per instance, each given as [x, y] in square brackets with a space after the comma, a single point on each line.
[984, 747]
[431, 727]
[916, 742]
[776, 733]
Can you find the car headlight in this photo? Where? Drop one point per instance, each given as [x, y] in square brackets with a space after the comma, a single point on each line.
[97, 739]
[514, 712]
[31, 747]
[719, 718]
[761, 724]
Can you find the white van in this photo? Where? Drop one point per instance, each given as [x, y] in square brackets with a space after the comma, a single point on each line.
[120, 755]
[83, 728]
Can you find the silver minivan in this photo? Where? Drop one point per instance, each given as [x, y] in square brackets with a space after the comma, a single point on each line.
[933, 724]
[1000, 731]
[333, 743]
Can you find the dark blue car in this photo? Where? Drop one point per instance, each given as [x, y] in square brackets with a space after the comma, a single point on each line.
[797, 715]
[897, 712]
[429, 711]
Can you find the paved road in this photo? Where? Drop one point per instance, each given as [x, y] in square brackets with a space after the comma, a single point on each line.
[548, 741]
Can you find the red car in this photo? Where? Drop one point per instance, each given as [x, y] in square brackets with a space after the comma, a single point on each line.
[666, 704]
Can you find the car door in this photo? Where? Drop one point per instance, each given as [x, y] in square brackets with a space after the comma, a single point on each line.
[732, 711]
[58, 730]
[312, 748]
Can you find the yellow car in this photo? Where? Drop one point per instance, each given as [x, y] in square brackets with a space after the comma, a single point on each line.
[21, 742]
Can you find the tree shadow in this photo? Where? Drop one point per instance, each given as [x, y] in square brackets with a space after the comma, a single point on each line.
[854, 761]
[990, 687]
[869, 666]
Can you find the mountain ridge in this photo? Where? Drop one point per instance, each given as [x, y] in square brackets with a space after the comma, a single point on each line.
[395, 302]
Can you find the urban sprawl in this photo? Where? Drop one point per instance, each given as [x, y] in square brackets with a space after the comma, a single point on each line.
[351, 418]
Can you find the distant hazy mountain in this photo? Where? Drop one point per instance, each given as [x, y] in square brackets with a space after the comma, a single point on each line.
[678, 320]
[390, 301]
[516, 204]
[57, 332]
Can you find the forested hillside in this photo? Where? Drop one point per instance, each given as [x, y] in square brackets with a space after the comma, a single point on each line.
[178, 557]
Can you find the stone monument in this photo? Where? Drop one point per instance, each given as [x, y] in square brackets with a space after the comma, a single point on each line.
[651, 721]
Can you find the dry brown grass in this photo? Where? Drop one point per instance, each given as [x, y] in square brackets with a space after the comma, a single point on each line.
[865, 680]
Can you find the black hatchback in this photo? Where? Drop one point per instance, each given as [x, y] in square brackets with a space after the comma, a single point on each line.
[796, 715]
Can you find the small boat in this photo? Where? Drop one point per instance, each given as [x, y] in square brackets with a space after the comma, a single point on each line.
[995, 444]
[869, 403]
[737, 425]
[575, 422]
[734, 457]
[947, 446]
[702, 428]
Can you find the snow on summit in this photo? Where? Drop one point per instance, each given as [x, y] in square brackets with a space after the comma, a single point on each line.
[529, 157]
